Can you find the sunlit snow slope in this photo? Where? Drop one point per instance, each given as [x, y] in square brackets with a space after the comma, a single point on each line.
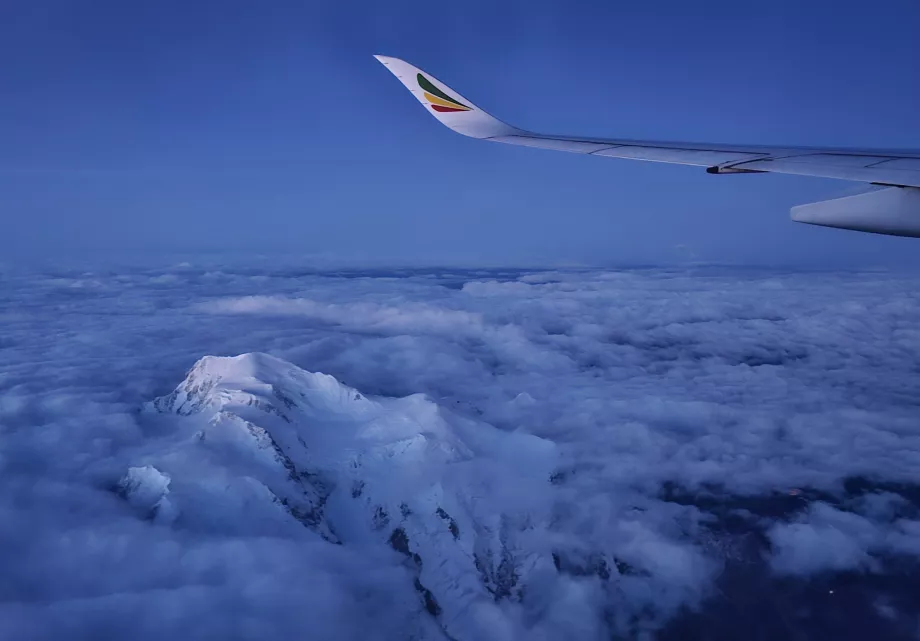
[263, 445]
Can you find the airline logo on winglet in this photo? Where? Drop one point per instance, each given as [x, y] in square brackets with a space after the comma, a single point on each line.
[439, 100]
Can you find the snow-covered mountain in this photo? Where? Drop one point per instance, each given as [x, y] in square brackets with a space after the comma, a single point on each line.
[255, 443]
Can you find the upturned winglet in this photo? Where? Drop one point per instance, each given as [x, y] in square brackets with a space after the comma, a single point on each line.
[450, 108]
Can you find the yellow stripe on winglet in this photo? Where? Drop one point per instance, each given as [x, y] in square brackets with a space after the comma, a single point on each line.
[444, 103]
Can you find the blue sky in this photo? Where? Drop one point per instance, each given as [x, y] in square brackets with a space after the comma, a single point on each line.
[168, 127]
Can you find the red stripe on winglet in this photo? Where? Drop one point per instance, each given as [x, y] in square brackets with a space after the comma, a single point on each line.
[446, 109]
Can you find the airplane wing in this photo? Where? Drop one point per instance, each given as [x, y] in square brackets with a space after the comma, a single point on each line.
[894, 211]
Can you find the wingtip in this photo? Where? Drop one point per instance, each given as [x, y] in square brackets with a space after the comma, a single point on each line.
[446, 105]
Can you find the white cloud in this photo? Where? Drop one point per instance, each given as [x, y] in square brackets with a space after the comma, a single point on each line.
[827, 539]
[734, 387]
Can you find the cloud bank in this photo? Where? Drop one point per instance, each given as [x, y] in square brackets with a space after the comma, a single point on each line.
[716, 434]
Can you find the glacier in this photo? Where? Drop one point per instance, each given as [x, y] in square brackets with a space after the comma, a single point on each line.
[261, 444]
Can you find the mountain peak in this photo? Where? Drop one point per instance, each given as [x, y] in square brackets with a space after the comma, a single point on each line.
[254, 379]
[261, 438]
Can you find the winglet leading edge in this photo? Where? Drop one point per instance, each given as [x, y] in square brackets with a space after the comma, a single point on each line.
[450, 108]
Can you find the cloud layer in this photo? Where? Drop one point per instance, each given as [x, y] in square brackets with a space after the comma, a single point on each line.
[713, 427]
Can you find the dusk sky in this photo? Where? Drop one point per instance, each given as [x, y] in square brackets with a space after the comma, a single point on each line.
[176, 127]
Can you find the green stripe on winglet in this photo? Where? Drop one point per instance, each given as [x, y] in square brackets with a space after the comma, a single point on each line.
[425, 84]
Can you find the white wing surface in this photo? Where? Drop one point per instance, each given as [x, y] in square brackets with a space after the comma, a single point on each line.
[897, 213]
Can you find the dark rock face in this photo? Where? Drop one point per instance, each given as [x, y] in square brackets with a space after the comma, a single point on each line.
[431, 604]
[451, 523]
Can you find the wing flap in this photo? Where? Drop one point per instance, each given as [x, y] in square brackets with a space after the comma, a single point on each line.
[911, 164]
[698, 157]
[628, 150]
[881, 170]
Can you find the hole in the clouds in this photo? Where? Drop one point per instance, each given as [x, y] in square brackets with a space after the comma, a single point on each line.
[776, 358]
[751, 596]
[581, 564]
[749, 602]
[727, 507]
[456, 285]
[858, 486]
[556, 328]
[651, 342]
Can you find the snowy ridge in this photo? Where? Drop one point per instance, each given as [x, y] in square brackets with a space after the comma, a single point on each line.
[454, 497]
